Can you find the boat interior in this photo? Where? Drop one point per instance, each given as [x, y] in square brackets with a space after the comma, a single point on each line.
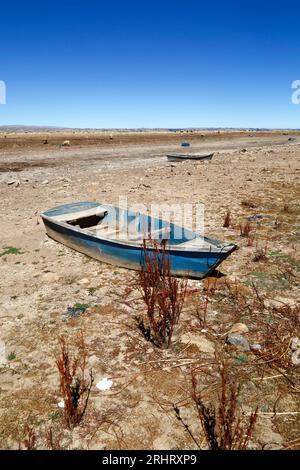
[116, 224]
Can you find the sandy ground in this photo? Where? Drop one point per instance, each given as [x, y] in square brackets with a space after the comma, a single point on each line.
[39, 279]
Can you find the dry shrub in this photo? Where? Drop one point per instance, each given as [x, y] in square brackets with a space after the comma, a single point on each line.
[233, 296]
[162, 293]
[286, 208]
[275, 335]
[53, 438]
[249, 204]
[28, 441]
[250, 241]
[227, 219]
[260, 253]
[223, 425]
[74, 387]
[245, 229]
[237, 294]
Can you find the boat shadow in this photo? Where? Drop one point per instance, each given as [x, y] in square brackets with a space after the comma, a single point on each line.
[215, 274]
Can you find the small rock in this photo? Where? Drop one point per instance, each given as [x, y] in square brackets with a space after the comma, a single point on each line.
[66, 143]
[203, 344]
[84, 282]
[268, 438]
[255, 217]
[238, 341]
[239, 328]
[73, 312]
[45, 182]
[295, 358]
[256, 347]
[295, 344]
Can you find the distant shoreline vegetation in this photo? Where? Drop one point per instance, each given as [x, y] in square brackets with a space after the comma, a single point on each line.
[183, 130]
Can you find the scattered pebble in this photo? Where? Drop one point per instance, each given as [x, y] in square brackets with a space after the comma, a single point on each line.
[295, 358]
[239, 328]
[238, 341]
[295, 344]
[73, 312]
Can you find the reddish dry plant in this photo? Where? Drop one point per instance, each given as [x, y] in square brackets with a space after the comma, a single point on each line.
[260, 253]
[245, 229]
[74, 388]
[227, 219]
[52, 439]
[286, 208]
[224, 428]
[28, 442]
[162, 293]
[250, 241]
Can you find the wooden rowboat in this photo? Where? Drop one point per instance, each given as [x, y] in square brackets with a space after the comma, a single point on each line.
[115, 236]
[180, 157]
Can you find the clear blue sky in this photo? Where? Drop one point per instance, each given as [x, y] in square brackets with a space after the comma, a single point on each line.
[150, 63]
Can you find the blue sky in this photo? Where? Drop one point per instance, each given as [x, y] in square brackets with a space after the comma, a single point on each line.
[150, 64]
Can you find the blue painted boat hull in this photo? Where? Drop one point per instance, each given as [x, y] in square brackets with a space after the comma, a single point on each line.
[189, 263]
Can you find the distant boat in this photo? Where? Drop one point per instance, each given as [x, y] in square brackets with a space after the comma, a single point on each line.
[180, 157]
[116, 236]
[185, 144]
